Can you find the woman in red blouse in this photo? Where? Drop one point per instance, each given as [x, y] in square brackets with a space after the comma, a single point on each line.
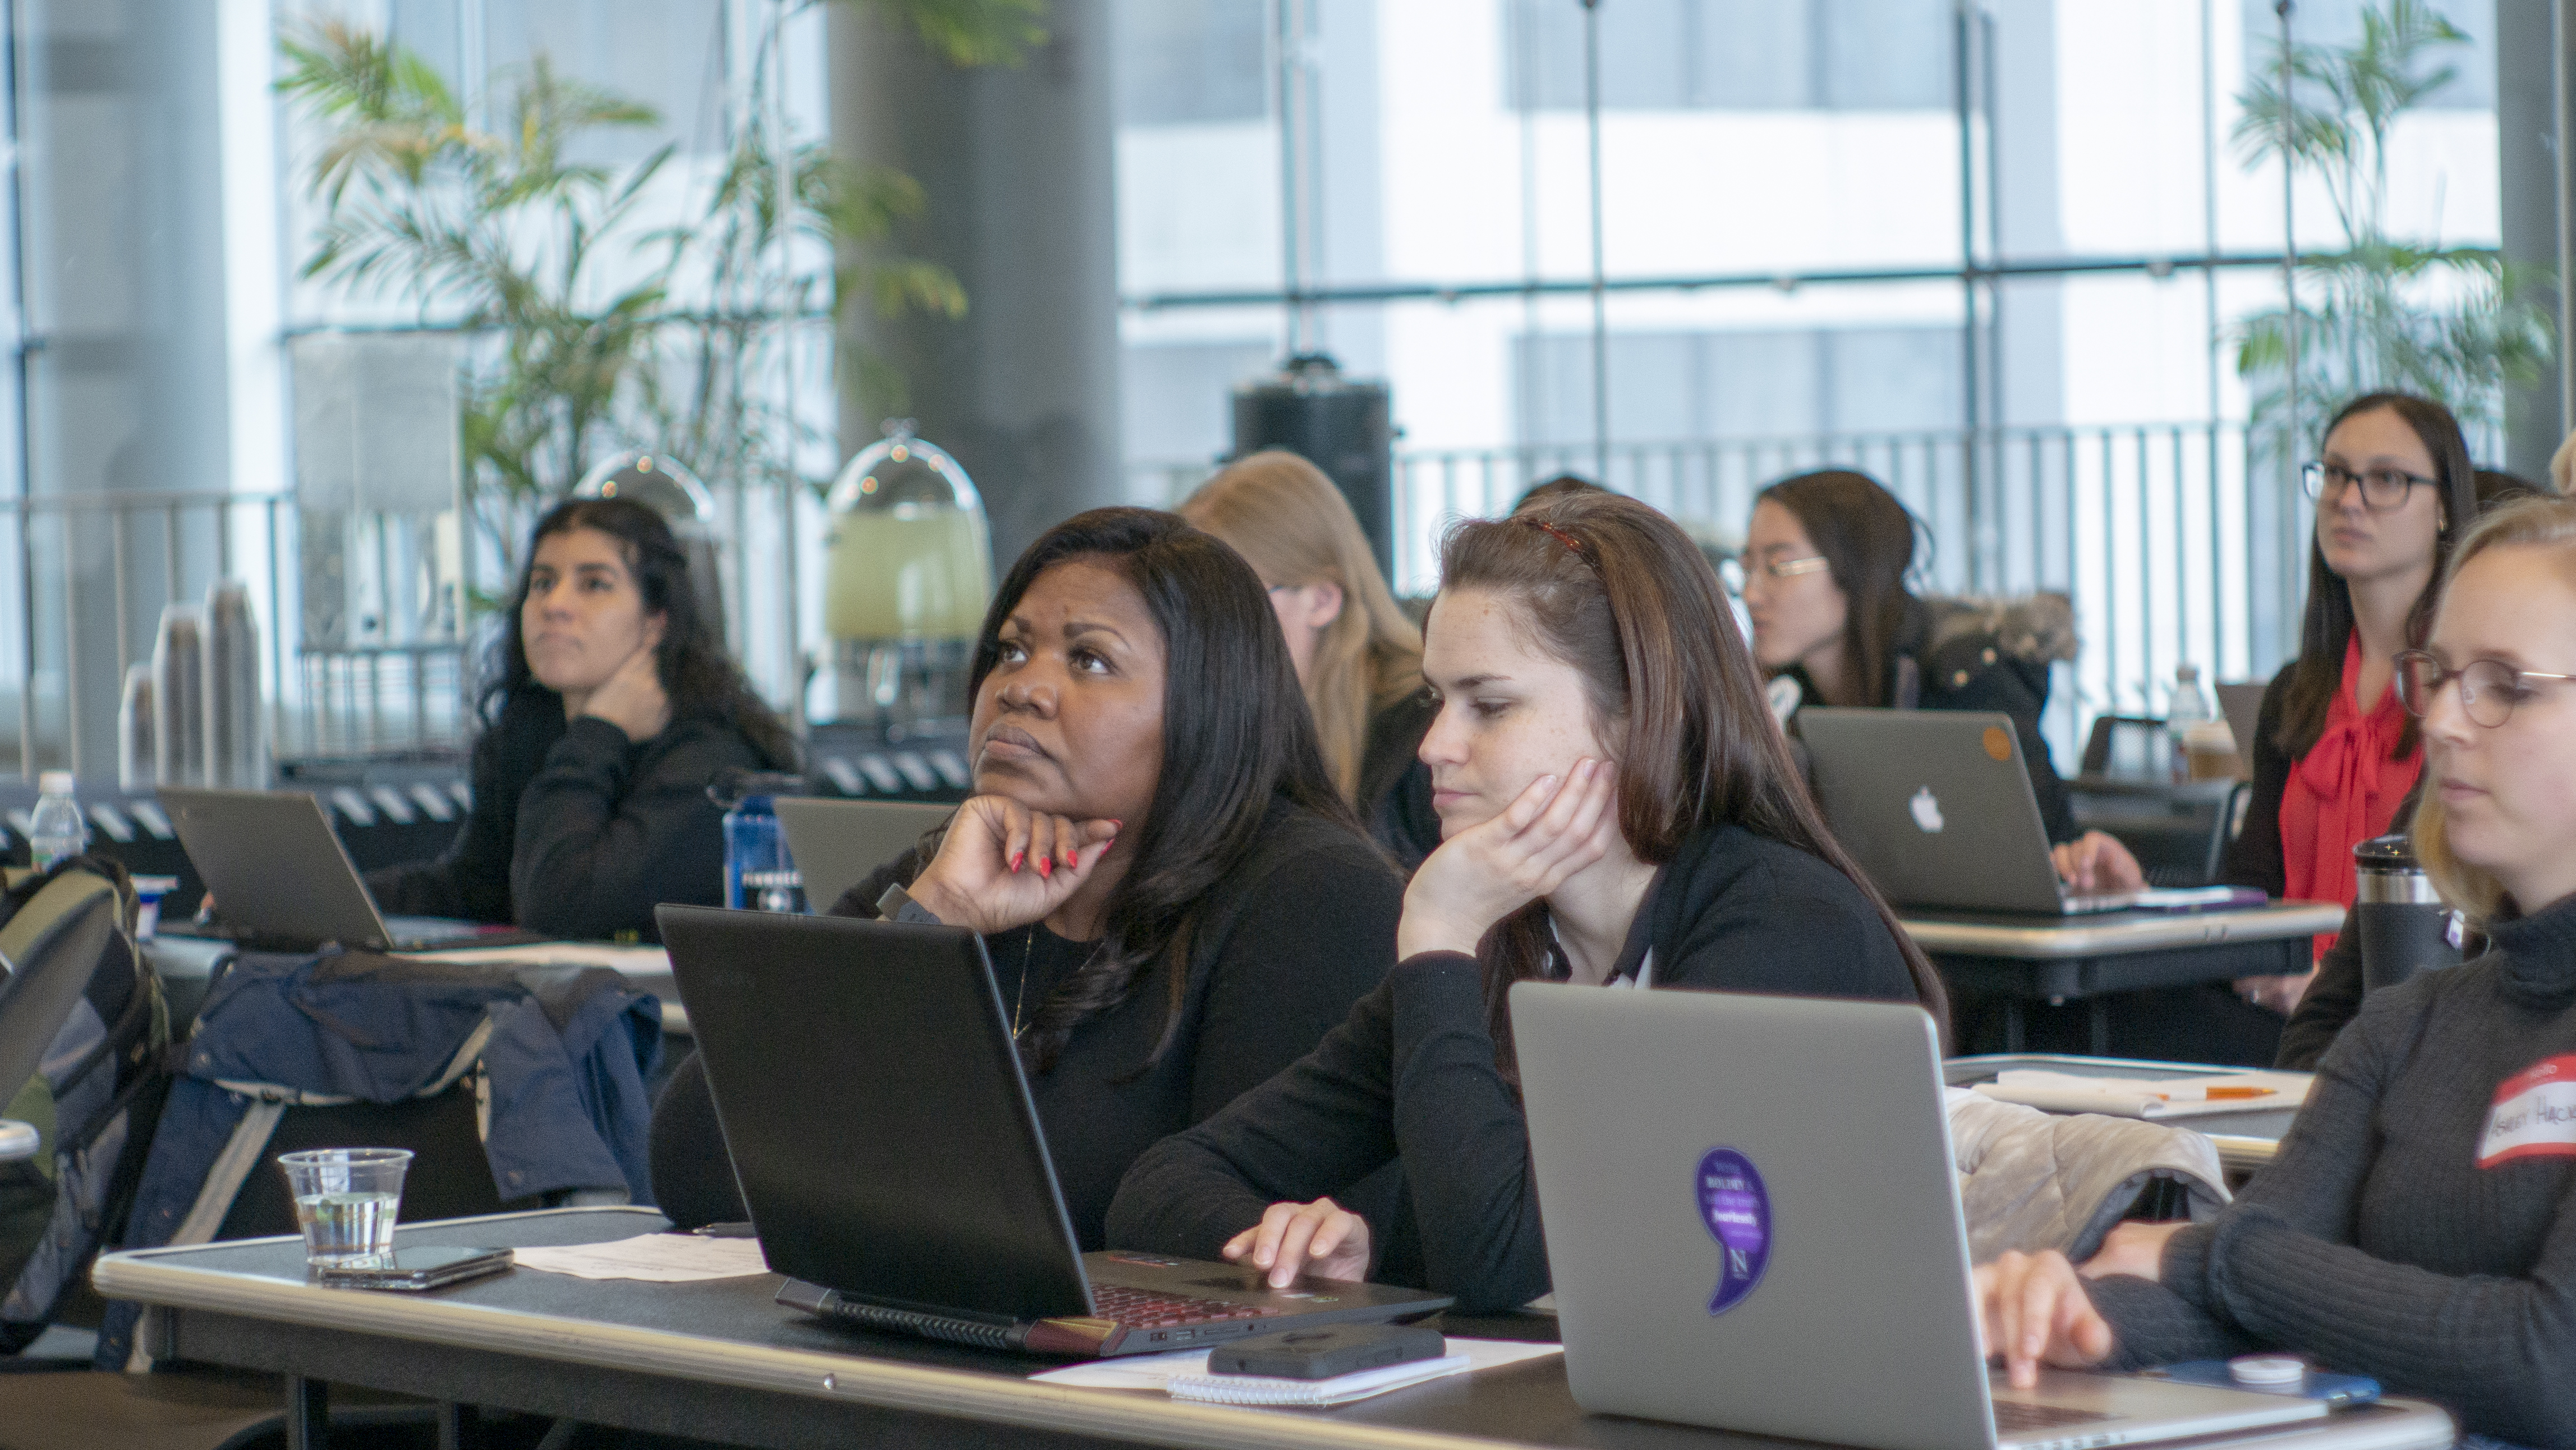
[2334, 755]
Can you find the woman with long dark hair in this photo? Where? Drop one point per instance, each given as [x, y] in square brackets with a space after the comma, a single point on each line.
[1615, 808]
[1176, 899]
[608, 705]
[1825, 562]
[2335, 757]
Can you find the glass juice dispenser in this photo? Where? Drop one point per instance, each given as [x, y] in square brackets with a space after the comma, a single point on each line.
[908, 573]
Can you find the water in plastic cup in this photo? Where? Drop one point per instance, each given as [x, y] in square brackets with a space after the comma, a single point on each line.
[346, 1200]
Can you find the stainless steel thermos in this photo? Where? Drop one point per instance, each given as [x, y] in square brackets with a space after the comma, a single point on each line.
[2405, 927]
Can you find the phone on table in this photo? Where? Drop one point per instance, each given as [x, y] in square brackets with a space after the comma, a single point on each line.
[1327, 1351]
[411, 1270]
[2343, 1391]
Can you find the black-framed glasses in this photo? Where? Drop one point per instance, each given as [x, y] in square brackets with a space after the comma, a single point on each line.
[2489, 689]
[2381, 488]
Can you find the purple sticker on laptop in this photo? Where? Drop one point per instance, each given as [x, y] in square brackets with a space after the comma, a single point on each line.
[1737, 1213]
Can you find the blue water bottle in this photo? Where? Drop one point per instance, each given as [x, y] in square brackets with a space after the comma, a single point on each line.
[754, 843]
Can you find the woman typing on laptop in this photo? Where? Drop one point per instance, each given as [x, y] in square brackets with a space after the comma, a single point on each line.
[1615, 808]
[2419, 1225]
[1825, 561]
[610, 703]
[1176, 900]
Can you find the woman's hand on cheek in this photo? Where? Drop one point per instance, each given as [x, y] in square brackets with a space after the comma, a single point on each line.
[1003, 865]
[1490, 870]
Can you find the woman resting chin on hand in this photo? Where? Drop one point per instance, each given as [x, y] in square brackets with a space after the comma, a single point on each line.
[1696, 861]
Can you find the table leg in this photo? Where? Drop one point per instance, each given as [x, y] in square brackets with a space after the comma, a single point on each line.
[2013, 1025]
[2099, 1011]
[308, 1413]
[456, 1428]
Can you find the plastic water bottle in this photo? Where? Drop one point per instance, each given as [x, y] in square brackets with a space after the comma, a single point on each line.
[56, 830]
[2190, 708]
[755, 846]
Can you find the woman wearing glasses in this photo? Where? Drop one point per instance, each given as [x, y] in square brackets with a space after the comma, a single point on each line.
[2333, 754]
[1825, 562]
[2415, 1226]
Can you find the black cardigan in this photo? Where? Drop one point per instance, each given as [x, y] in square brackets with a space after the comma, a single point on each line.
[576, 831]
[1412, 1076]
[1290, 938]
[2254, 857]
[2376, 1241]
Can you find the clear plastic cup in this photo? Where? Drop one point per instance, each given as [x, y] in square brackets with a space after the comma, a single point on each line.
[346, 1200]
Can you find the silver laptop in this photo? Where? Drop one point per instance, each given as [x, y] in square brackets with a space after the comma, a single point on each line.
[836, 843]
[1936, 806]
[1753, 1224]
[281, 878]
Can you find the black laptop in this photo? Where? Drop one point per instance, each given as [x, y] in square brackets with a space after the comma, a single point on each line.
[891, 1157]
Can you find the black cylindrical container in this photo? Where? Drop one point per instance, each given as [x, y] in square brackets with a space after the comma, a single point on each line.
[1343, 427]
[2405, 928]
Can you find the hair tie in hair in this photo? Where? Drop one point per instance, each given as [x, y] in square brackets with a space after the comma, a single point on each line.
[1572, 543]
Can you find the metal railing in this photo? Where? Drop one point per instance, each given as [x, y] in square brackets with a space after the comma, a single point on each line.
[2174, 546]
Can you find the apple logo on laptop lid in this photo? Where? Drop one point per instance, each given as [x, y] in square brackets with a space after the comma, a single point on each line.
[1927, 811]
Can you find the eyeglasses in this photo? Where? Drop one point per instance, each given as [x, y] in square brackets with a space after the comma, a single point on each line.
[1792, 568]
[2489, 689]
[2381, 488]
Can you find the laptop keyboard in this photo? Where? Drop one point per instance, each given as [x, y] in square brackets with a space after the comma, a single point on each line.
[2013, 1415]
[1145, 1309]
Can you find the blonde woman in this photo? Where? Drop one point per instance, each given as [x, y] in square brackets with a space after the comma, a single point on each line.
[1358, 658]
[2416, 1226]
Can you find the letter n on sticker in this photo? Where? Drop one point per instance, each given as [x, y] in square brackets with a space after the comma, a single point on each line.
[2534, 1114]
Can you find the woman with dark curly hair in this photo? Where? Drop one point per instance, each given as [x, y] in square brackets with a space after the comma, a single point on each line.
[1177, 900]
[609, 704]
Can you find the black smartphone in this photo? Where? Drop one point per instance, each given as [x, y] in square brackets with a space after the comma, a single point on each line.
[1326, 1351]
[409, 1270]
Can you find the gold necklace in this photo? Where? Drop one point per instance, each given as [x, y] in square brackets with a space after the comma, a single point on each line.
[1020, 994]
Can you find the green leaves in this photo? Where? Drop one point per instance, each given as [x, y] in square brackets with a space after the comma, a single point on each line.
[567, 275]
[2451, 323]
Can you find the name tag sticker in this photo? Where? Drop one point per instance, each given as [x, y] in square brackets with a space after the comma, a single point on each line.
[2534, 1114]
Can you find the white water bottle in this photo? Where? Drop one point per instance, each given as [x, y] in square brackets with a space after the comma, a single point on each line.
[56, 830]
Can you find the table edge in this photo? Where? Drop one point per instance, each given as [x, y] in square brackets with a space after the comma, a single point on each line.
[2072, 938]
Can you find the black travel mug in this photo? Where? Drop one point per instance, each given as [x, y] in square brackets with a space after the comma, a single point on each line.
[2405, 927]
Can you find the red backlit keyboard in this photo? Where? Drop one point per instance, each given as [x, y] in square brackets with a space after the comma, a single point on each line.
[1145, 1309]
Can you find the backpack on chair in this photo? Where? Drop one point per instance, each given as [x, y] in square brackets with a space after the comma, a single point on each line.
[82, 1030]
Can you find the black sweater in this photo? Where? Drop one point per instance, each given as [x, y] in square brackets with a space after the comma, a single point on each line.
[2254, 857]
[2375, 1241]
[1289, 940]
[577, 831]
[1412, 1076]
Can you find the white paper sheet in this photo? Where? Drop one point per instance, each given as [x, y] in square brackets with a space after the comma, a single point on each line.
[2178, 1097]
[632, 961]
[1155, 1371]
[653, 1258]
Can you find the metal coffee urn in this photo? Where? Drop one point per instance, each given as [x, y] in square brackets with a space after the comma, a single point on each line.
[2405, 927]
[1343, 427]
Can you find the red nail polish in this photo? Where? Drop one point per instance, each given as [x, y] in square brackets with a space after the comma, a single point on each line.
[1046, 867]
[1017, 857]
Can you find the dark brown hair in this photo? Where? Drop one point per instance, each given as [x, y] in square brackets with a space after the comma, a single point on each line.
[1616, 590]
[1867, 540]
[2318, 671]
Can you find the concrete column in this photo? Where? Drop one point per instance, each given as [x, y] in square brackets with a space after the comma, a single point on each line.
[2527, 129]
[1017, 163]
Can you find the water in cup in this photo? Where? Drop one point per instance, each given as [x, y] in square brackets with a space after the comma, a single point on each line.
[341, 1226]
[346, 1200]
